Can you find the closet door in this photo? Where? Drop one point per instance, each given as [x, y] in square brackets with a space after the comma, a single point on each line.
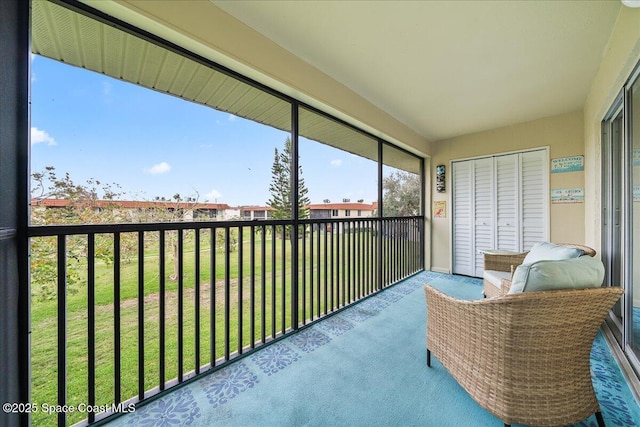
[463, 202]
[508, 236]
[534, 198]
[483, 211]
[499, 202]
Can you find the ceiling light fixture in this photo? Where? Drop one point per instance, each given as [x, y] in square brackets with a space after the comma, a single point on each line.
[631, 3]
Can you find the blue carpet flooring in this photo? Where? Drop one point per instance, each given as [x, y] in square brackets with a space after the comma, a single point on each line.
[365, 366]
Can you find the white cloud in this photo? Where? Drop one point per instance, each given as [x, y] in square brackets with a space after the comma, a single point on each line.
[39, 136]
[162, 167]
[336, 163]
[213, 195]
[106, 88]
[232, 118]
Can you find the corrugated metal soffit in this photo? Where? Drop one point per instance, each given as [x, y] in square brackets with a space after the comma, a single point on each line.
[67, 36]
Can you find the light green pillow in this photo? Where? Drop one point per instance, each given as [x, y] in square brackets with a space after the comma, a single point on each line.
[546, 275]
[549, 251]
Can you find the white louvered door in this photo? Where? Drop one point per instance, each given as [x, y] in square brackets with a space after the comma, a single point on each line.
[499, 202]
[463, 259]
[483, 210]
[535, 196]
[507, 170]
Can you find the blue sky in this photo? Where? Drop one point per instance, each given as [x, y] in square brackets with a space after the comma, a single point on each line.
[152, 144]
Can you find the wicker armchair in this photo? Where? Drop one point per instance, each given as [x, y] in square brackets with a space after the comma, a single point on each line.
[507, 262]
[523, 357]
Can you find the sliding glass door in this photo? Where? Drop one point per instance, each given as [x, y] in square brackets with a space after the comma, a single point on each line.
[621, 214]
[633, 271]
[612, 244]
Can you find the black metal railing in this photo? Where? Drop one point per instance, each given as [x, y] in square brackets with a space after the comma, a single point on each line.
[138, 308]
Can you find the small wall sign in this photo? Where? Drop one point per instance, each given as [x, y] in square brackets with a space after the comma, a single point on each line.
[636, 157]
[439, 209]
[636, 193]
[567, 195]
[567, 164]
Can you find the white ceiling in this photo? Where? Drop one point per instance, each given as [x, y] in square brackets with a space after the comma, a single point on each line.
[447, 68]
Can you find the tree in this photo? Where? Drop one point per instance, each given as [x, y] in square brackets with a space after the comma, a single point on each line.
[281, 183]
[90, 203]
[97, 203]
[401, 194]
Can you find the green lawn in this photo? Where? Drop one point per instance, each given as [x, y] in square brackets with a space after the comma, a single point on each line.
[44, 312]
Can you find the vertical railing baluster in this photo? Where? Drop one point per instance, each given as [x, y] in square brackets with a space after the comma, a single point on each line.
[283, 288]
[62, 327]
[326, 269]
[303, 280]
[318, 270]
[360, 261]
[382, 256]
[405, 248]
[331, 268]
[180, 305]
[343, 267]
[273, 281]
[212, 296]
[399, 252]
[253, 286]
[350, 281]
[117, 385]
[367, 256]
[141, 315]
[91, 322]
[339, 280]
[263, 284]
[162, 314]
[240, 286]
[357, 259]
[196, 286]
[389, 254]
[370, 250]
[396, 262]
[395, 251]
[415, 247]
[417, 244]
[402, 249]
[312, 306]
[407, 264]
[227, 292]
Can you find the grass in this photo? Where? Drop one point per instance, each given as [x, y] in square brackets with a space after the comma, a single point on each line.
[274, 272]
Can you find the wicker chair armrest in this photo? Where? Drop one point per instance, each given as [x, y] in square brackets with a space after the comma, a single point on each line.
[586, 249]
[503, 262]
[462, 327]
[505, 285]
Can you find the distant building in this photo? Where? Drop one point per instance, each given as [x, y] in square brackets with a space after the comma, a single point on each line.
[185, 211]
[256, 212]
[342, 210]
[195, 211]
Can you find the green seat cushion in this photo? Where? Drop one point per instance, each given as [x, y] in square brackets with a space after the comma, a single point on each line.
[549, 251]
[574, 273]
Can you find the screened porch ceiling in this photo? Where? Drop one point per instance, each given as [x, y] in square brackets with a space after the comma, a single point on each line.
[447, 68]
[442, 68]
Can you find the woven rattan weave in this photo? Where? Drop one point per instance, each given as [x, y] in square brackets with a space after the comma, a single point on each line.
[523, 357]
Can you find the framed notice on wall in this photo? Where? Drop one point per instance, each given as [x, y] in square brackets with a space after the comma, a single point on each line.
[567, 164]
[439, 209]
[567, 195]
